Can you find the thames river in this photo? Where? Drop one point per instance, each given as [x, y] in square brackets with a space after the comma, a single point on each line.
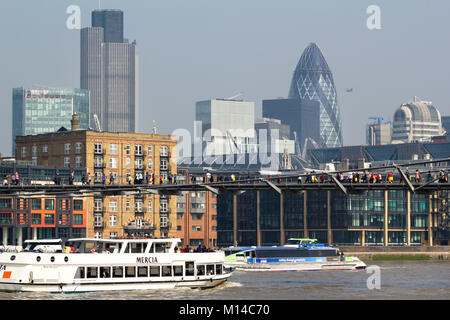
[399, 280]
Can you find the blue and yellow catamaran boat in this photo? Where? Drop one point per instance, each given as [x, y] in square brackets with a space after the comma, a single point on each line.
[299, 254]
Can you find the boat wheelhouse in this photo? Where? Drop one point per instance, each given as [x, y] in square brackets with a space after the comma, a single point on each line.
[86, 264]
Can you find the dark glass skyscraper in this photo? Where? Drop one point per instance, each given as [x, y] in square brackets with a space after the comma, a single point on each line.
[313, 80]
[112, 23]
[108, 69]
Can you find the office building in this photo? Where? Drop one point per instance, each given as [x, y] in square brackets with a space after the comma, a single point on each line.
[42, 110]
[122, 156]
[446, 125]
[416, 120]
[378, 133]
[108, 69]
[274, 135]
[226, 126]
[302, 116]
[313, 80]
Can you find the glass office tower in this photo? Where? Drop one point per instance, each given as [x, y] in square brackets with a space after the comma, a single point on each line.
[313, 80]
[112, 23]
[44, 110]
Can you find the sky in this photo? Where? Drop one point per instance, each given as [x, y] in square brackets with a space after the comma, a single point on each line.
[192, 50]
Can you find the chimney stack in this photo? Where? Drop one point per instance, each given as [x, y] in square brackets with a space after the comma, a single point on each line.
[75, 122]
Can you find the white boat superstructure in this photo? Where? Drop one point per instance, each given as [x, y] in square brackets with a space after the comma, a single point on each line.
[87, 264]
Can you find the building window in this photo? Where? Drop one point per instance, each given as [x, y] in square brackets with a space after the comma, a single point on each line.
[98, 220]
[138, 150]
[164, 151]
[36, 218]
[78, 219]
[113, 163]
[196, 228]
[179, 216]
[34, 151]
[78, 147]
[163, 206]
[98, 205]
[164, 222]
[78, 163]
[138, 163]
[66, 162]
[178, 228]
[163, 164]
[128, 205]
[67, 148]
[49, 204]
[113, 148]
[98, 148]
[214, 206]
[113, 235]
[113, 221]
[150, 206]
[150, 150]
[149, 163]
[128, 163]
[36, 204]
[98, 161]
[23, 152]
[78, 205]
[49, 218]
[45, 148]
[98, 235]
[196, 216]
[113, 206]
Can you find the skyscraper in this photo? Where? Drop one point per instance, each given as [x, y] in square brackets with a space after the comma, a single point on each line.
[108, 69]
[43, 110]
[313, 80]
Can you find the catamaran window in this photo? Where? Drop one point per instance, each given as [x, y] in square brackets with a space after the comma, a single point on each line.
[161, 247]
[80, 273]
[105, 272]
[210, 269]
[154, 271]
[92, 272]
[137, 247]
[166, 271]
[117, 272]
[142, 272]
[218, 269]
[178, 271]
[130, 272]
[189, 267]
[200, 270]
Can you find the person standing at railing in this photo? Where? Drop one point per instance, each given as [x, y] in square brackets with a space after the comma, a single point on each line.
[417, 176]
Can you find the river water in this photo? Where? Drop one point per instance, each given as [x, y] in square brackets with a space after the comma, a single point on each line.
[399, 280]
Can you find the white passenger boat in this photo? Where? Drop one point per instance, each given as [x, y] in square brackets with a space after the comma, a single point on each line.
[296, 255]
[108, 264]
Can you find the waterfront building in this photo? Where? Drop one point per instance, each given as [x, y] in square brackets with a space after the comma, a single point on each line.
[196, 212]
[446, 125]
[227, 126]
[42, 110]
[108, 69]
[378, 133]
[313, 80]
[124, 157]
[416, 120]
[377, 217]
[275, 135]
[303, 117]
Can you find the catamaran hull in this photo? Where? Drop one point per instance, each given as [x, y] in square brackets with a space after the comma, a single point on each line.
[93, 287]
[307, 266]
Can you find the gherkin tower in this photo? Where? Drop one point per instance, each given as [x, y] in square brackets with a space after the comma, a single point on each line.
[313, 80]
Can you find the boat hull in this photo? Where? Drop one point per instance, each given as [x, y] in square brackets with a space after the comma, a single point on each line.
[300, 266]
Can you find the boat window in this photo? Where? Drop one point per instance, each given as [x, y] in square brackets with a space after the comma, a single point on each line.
[161, 247]
[166, 271]
[155, 271]
[152, 248]
[92, 272]
[105, 272]
[80, 274]
[137, 247]
[218, 269]
[130, 272]
[142, 272]
[189, 267]
[200, 270]
[117, 272]
[178, 271]
[210, 269]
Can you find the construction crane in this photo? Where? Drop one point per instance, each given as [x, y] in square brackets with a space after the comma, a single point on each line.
[379, 119]
[97, 124]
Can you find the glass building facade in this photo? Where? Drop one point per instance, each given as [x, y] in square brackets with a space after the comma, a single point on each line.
[354, 219]
[313, 80]
[37, 111]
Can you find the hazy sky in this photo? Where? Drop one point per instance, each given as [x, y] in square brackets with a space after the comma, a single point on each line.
[193, 50]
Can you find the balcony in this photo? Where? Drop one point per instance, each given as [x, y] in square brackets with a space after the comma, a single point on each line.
[99, 224]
